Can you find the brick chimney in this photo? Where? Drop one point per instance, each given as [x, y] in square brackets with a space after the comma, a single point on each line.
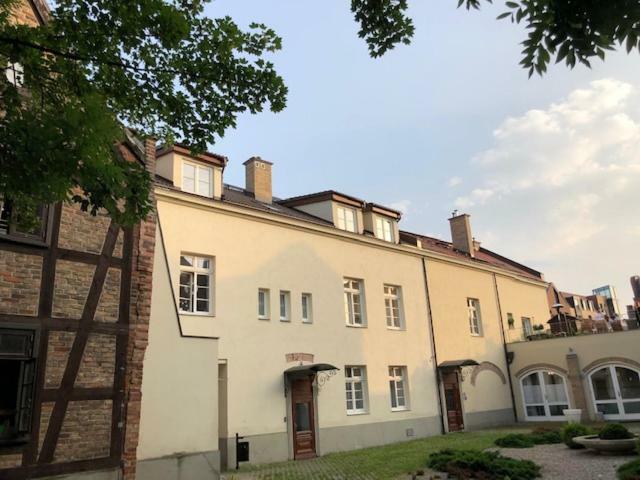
[461, 236]
[258, 178]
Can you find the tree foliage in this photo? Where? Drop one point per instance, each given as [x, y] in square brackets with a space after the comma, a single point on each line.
[573, 31]
[159, 67]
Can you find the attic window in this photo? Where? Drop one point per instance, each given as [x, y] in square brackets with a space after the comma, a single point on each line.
[384, 229]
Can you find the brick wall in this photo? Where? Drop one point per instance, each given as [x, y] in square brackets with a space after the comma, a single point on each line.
[141, 285]
[19, 283]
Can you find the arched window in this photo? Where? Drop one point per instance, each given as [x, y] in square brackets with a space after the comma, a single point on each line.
[545, 395]
[616, 392]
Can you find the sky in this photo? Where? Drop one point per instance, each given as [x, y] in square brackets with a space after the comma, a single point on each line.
[548, 168]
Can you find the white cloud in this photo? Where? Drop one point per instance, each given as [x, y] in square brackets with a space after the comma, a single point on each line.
[454, 181]
[560, 187]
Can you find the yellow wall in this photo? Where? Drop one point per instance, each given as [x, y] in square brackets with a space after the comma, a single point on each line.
[180, 380]
[258, 253]
[617, 347]
[449, 287]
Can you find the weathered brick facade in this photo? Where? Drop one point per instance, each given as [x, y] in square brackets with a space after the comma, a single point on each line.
[85, 296]
[88, 293]
[19, 283]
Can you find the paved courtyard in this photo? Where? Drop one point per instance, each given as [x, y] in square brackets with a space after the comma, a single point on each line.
[394, 462]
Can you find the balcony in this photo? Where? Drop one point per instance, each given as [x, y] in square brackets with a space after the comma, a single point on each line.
[569, 327]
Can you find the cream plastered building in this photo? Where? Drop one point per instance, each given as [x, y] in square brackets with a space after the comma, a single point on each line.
[314, 324]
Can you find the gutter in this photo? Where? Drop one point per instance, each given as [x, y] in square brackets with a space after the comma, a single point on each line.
[506, 352]
[433, 346]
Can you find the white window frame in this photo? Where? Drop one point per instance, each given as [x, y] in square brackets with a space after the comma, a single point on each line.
[384, 229]
[196, 271]
[306, 306]
[618, 399]
[344, 222]
[266, 303]
[354, 296]
[196, 180]
[475, 317]
[284, 300]
[398, 388]
[391, 293]
[352, 380]
[544, 402]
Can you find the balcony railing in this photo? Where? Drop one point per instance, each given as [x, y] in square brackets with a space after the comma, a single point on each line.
[570, 328]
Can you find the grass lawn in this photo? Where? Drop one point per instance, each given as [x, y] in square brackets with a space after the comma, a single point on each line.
[376, 463]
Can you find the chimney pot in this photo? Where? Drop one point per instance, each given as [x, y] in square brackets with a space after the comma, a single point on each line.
[461, 236]
[258, 178]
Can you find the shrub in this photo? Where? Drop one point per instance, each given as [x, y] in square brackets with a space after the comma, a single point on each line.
[467, 464]
[572, 430]
[630, 470]
[614, 431]
[515, 440]
[546, 438]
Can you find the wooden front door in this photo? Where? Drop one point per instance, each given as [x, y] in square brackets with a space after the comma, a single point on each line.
[304, 431]
[453, 403]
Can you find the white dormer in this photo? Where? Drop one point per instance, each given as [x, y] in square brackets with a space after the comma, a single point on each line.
[345, 212]
[382, 222]
[200, 175]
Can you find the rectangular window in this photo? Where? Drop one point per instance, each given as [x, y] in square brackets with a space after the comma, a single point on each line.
[346, 219]
[285, 306]
[10, 225]
[263, 304]
[356, 389]
[526, 326]
[197, 179]
[475, 320]
[18, 367]
[398, 388]
[393, 306]
[384, 229]
[196, 275]
[353, 302]
[510, 321]
[307, 308]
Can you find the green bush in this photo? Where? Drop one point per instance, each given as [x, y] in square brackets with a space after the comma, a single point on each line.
[527, 440]
[572, 430]
[630, 470]
[467, 464]
[614, 431]
[515, 440]
[546, 437]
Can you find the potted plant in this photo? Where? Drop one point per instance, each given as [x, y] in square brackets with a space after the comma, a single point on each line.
[613, 438]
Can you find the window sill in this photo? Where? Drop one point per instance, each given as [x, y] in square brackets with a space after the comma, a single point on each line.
[34, 242]
[401, 409]
[477, 335]
[197, 314]
[396, 329]
[264, 319]
[285, 320]
[350, 414]
[307, 322]
[355, 326]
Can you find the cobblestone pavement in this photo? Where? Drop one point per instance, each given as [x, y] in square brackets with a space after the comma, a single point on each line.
[561, 463]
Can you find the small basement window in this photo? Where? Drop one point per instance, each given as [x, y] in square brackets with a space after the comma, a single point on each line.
[18, 367]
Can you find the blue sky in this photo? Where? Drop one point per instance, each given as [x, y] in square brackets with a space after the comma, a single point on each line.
[422, 127]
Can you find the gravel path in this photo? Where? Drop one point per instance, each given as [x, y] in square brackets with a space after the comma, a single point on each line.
[561, 463]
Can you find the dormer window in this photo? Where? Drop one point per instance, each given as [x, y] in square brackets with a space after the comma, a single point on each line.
[346, 219]
[197, 179]
[384, 229]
